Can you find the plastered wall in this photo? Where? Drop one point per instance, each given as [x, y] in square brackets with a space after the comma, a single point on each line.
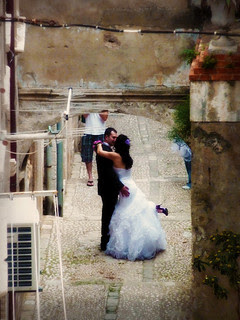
[90, 58]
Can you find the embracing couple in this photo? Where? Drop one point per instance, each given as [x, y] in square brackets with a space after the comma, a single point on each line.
[131, 227]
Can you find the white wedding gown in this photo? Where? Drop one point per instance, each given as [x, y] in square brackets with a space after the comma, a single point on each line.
[135, 228]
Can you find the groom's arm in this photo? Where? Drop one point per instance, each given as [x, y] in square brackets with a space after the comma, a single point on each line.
[125, 191]
[121, 187]
[114, 177]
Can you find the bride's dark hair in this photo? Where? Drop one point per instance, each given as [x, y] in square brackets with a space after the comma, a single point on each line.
[122, 146]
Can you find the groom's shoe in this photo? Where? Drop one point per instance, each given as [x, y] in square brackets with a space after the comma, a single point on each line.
[161, 209]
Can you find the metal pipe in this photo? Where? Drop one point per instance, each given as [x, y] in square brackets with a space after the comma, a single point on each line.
[11, 64]
[13, 146]
[49, 175]
[60, 172]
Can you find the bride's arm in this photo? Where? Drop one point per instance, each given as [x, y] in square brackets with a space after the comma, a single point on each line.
[106, 154]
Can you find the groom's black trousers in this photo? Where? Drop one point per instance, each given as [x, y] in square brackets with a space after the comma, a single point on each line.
[109, 201]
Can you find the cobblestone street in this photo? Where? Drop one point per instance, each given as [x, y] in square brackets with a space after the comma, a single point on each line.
[99, 287]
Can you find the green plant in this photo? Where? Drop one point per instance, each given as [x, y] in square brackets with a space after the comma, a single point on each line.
[189, 55]
[209, 62]
[222, 259]
[182, 125]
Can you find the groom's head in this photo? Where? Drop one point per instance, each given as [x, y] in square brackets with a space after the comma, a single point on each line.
[110, 136]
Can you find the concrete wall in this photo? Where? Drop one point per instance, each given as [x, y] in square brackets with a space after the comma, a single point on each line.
[93, 59]
[215, 101]
[215, 206]
[215, 144]
[85, 58]
[168, 14]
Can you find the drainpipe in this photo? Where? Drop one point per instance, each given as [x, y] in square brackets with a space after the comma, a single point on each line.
[60, 172]
[11, 64]
[49, 174]
[13, 145]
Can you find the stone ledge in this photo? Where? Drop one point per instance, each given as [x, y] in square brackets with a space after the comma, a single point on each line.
[115, 95]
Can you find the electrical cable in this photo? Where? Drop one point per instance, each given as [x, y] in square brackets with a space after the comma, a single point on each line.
[21, 153]
[56, 211]
[53, 24]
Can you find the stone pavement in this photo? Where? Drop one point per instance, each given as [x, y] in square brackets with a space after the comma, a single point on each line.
[99, 287]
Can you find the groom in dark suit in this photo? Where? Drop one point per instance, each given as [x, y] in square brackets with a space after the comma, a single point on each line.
[109, 185]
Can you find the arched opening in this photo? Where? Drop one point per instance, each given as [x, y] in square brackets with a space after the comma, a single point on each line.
[143, 287]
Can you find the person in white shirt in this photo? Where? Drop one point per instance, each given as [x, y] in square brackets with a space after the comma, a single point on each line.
[94, 130]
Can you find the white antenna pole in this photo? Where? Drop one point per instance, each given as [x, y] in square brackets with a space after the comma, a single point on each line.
[66, 112]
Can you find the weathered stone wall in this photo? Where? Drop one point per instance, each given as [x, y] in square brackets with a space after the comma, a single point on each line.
[216, 170]
[215, 206]
[86, 58]
[215, 125]
[167, 14]
[215, 101]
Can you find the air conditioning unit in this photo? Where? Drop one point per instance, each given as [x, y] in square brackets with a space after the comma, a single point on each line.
[23, 256]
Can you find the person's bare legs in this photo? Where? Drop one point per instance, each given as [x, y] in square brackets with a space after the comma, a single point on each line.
[89, 172]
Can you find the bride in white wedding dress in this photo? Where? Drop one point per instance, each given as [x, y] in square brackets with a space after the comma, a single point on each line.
[135, 228]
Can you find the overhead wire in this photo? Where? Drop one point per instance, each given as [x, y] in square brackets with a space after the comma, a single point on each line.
[54, 24]
[33, 152]
[75, 131]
